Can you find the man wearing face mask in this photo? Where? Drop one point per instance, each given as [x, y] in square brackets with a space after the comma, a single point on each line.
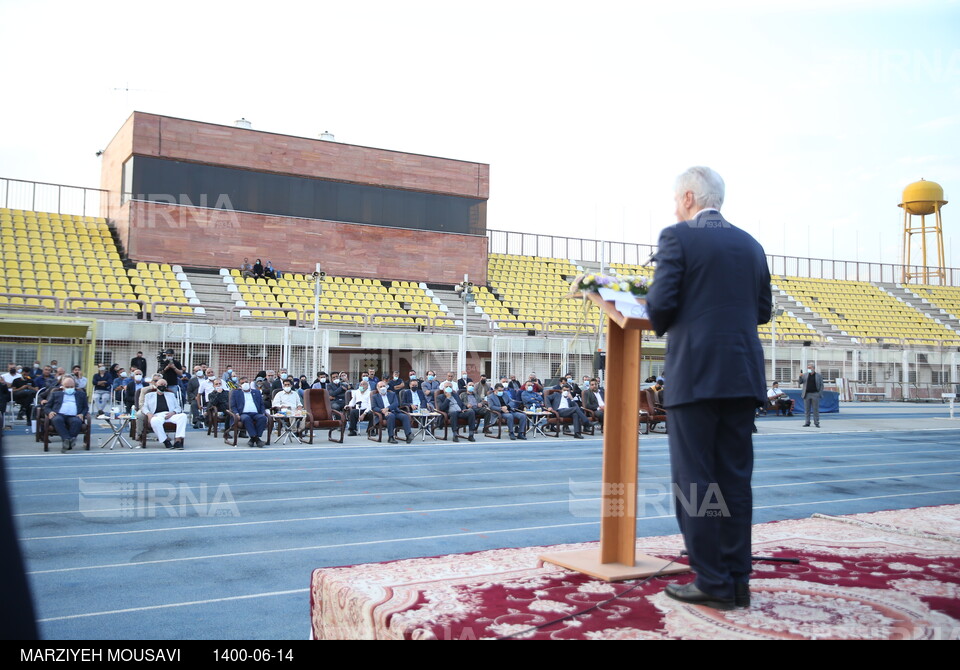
[811, 386]
[131, 395]
[163, 407]
[193, 389]
[359, 407]
[472, 399]
[450, 405]
[171, 369]
[384, 402]
[395, 383]
[248, 405]
[66, 410]
[564, 405]
[288, 399]
[322, 381]
[499, 402]
[337, 390]
[430, 384]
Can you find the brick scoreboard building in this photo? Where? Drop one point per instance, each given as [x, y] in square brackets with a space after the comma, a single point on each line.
[202, 194]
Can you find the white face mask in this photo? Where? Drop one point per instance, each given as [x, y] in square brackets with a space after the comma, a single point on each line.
[383, 391]
[245, 386]
[123, 374]
[139, 377]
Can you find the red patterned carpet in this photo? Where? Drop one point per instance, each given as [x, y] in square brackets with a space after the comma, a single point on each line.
[886, 575]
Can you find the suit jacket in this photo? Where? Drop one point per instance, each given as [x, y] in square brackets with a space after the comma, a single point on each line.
[553, 400]
[56, 402]
[818, 378]
[497, 403]
[380, 402]
[710, 292]
[406, 398]
[590, 401]
[237, 401]
[150, 403]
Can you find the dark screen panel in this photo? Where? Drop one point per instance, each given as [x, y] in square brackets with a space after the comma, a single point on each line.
[191, 184]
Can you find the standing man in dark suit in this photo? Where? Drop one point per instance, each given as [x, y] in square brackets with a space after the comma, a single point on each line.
[66, 410]
[138, 362]
[248, 405]
[710, 291]
[811, 386]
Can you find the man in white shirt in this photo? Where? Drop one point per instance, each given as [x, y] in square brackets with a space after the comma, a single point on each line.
[358, 406]
[593, 400]
[562, 403]
[288, 399]
[162, 407]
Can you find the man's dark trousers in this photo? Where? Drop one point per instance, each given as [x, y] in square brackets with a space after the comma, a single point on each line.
[711, 455]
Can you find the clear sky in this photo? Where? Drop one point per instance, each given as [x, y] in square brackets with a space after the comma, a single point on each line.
[816, 113]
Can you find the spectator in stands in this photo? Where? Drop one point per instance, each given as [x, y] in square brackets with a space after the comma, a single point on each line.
[171, 369]
[141, 423]
[269, 272]
[483, 387]
[66, 411]
[450, 380]
[500, 402]
[23, 390]
[218, 399]
[471, 399]
[385, 403]
[246, 270]
[514, 385]
[395, 384]
[77, 373]
[463, 381]
[131, 395]
[430, 384]
[6, 386]
[782, 401]
[337, 390]
[593, 400]
[258, 269]
[101, 390]
[249, 406]
[533, 379]
[414, 399]
[450, 405]
[372, 379]
[228, 375]
[138, 362]
[359, 407]
[563, 404]
[530, 397]
[164, 407]
[322, 381]
[288, 399]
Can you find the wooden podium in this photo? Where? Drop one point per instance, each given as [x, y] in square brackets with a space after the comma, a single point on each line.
[617, 560]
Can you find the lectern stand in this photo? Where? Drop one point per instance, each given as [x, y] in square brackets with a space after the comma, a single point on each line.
[617, 560]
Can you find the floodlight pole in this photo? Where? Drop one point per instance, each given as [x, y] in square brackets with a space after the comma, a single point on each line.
[318, 277]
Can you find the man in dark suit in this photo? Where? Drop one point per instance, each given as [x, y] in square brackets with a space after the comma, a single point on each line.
[593, 400]
[384, 403]
[453, 407]
[566, 407]
[710, 291]
[811, 386]
[500, 402]
[66, 410]
[247, 403]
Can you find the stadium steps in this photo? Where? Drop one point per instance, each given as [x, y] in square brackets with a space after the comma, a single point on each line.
[211, 291]
[918, 303]
[824, 328]
[476, 323]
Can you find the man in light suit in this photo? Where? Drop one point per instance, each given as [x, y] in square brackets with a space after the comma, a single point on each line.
[247, 403]
[384, 403]
[161, 407]
[811, 386]
[710, 291]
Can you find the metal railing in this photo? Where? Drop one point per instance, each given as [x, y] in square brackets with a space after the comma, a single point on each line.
[38, 196]
[605, 251]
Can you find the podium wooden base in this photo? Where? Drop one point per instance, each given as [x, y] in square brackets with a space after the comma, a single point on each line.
[588, 562]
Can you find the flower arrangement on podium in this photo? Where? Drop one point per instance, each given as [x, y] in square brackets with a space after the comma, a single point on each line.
[592, 283]
[626, 293]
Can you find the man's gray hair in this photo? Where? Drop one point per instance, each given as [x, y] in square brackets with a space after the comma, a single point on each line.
[707, 186]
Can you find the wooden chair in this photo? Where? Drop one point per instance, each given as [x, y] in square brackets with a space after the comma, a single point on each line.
[320, 415]
[48, 430]
[650, 413]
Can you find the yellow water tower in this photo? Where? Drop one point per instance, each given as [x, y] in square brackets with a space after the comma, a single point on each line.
[921, 199]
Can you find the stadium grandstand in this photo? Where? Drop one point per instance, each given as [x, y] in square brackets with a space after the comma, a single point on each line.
[369, 247]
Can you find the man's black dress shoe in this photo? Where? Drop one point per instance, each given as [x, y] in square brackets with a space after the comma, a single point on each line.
[741, 595]
[689, 593]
